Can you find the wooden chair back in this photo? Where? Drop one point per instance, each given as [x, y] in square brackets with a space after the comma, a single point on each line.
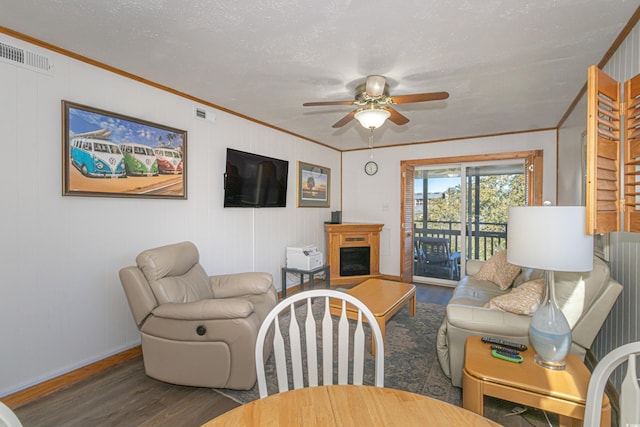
[293, 358]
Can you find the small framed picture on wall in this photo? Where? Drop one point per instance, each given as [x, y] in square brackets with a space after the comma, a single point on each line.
[313, 186]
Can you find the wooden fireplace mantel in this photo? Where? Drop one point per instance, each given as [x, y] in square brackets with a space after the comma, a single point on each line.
[352, 235]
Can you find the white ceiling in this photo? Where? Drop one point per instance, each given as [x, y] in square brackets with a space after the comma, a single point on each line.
[508, 65]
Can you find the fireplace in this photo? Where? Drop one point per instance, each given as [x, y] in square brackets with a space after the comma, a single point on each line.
[353, 252]
[355, 261]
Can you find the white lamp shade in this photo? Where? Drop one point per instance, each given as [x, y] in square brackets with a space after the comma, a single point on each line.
[372, 118]
[549, 238]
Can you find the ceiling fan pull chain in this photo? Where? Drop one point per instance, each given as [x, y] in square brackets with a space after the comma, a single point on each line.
[371, 144]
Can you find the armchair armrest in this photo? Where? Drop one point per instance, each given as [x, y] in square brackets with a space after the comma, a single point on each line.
[234, 285]
[209, 309]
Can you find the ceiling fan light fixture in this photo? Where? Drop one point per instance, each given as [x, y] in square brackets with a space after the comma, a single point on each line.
[372, 118]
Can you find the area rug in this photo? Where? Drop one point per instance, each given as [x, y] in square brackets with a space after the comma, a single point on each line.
[410, 357]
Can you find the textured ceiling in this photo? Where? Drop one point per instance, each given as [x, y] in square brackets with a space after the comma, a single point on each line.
[508, 65]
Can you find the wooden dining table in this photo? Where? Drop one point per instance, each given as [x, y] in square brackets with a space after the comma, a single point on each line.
[349, 405]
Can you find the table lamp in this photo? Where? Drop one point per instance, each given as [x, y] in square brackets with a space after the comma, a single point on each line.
[550, 238]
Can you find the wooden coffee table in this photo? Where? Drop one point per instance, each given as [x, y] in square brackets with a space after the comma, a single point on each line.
[383, 297]
[562, 392]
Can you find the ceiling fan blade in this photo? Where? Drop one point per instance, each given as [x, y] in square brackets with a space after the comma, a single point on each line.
[396, 117]
[418, 97]
[346, 119]
[375, 86]
[321, 103]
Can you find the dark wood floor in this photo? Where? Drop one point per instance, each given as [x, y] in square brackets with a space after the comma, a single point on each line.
[124, 396]
[434, 294]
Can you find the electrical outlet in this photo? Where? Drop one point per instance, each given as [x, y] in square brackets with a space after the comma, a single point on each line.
[386, 206]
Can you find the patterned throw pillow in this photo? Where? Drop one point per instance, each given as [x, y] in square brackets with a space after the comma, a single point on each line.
[525, 299]
[497, 270]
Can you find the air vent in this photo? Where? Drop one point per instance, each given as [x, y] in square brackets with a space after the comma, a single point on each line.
[205, 114]
[13, 53]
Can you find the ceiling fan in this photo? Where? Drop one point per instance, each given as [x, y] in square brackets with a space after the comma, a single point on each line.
[374, 105]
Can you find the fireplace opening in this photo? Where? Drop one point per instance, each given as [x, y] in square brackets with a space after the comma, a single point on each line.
[355, 261]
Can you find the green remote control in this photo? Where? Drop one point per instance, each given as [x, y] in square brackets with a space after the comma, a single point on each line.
[511, 357]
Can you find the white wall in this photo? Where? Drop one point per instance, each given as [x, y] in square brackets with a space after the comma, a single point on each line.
[571, 137]
[61, 303]
[377, 198]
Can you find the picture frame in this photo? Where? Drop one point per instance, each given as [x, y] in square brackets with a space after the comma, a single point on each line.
[106, 154]
[314, 186]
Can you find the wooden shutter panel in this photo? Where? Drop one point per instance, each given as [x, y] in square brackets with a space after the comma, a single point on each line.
[632, 155]
[603, 153]
[406, 257]
[533, 178]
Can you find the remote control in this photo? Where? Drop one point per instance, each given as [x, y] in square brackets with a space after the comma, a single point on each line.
[509, 344]
[505, 349]
[505, 355]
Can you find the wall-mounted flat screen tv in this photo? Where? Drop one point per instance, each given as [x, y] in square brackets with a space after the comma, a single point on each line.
[254, 181]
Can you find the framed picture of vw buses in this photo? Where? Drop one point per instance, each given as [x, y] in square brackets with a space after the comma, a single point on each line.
[105, 154]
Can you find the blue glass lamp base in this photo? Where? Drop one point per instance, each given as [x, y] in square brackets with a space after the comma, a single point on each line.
[549, 331]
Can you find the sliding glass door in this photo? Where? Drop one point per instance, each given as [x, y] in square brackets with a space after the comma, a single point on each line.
[460, 213]
[490, 190]
[437, 222]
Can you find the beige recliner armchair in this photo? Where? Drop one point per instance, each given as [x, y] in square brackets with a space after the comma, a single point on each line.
[196, 330]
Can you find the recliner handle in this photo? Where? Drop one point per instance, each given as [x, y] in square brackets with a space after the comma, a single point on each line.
[201, 330]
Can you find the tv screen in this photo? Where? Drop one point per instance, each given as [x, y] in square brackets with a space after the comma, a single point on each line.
[254, 181]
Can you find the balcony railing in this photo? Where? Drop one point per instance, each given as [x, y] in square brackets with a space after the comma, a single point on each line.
[483, 239]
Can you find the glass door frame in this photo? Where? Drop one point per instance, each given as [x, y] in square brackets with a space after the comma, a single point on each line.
[466, 213]
[534, 161]
[460, 167]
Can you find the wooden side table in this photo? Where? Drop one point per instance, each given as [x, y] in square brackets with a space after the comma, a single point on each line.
[562, 392]
[323, 268]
